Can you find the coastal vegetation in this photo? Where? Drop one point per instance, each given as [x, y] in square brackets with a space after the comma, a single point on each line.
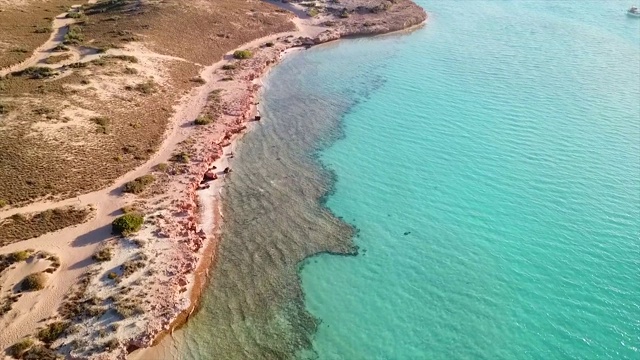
[54, 59]
[127, 224]
[52, 331]
[34, 282]
[22, 227]
[74, 35]
[139, 184]
[242, 54]
[18, 349]
[35, 72]
[104, 254]
[203, 120]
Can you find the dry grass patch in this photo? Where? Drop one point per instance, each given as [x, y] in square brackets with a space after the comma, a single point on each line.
[54, 59]
[22, 26]
[34, 282]
[138, 185]
[22, 227]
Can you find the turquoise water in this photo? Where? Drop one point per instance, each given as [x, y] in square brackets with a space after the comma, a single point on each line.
[484, 171]
[494, 177]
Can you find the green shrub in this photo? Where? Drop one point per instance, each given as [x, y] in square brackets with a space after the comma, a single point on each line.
[203, 120]
[139, 184]
[313, 12]
[20, 50]
[181, 157]
[34, 282]
[112, 275]
[60, 48]
[74, 15]
[39, 352]
[78, 65]
[35, 72]
[127, 223]
[102, 255]
[52, 331]
[18, 349]
[128, 209]
[3, 203]
[73, 36]
[242, 54]
[18, 256]
[160, 167]
[128, 58]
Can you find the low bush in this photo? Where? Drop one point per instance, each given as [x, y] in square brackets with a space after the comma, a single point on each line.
[18, 256]
[3, 203]
[128, 58]
[112, 275]
[181, 157]
[313, 12]
[74, 35]
[203, 120]
[54, 59]
[160, 167]
[74, 15]
[138, 185]
[52, 331]
[18, 349]
[269, 44]
[242, 54]
[34, 282]
[102, 255]
[229, 66]
[60, 48]
[127, 223]
[41, 30]
[198, 80]
[130, 71]
[39, 352]
[35, 72]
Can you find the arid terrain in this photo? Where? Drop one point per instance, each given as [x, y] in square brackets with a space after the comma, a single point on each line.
[117, 119]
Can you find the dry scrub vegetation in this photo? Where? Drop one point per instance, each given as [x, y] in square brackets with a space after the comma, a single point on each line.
[131, 72]
[25, 25]
[22, 227]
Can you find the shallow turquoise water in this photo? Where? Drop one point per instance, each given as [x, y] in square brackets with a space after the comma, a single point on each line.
[491, 162]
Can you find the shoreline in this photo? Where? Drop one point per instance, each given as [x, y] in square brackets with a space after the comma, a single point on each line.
[202, 274]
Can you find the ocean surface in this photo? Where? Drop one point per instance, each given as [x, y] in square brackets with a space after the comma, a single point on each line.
[470, 190]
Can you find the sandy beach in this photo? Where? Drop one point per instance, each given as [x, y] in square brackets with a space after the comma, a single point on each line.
[171, 255]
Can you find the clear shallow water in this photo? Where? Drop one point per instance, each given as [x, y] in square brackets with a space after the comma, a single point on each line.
[491, 163]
